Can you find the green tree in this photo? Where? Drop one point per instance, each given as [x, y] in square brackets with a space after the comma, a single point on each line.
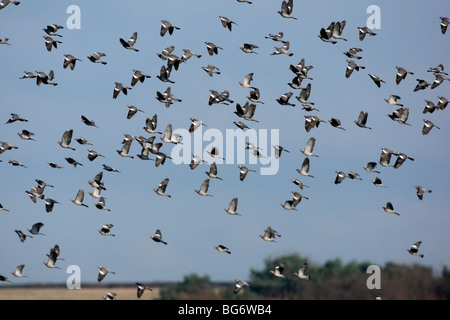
[193, 287]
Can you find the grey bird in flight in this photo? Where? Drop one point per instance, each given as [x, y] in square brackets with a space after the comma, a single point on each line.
[427, 126]
[138, 76]
[203, 191]
[377, 80]
[79, 198]
[420, 191]
[36, 229]
[362, 120]
[301, 273]
[18, 271]
[141, 288]
[129, 44]
[102, 272]
[52, 30]
[157, 237]
[286, 9]
[226, 22]
[161, 190]
[118, 88]
[167, 26]
[70, 61]
[222, 248]
[389, 208]
[51, 43]
[401, 74]
[232, 207]
[212, 48]
[96, 57]
[66, 139]
[239, 285]
[363, 31]
[243, 171]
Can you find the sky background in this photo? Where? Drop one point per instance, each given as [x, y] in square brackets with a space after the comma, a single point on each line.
[343, 221]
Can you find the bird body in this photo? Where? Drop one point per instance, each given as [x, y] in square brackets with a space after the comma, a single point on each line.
[118, 88]
[304, 171]
[102, 272]
[420, 191]
[427, 126]
[269, 234]
[243, 171]
[226, 22]
[278, 271]
[340, 177]
[129, 45]
[96, 57]
[389, 208]
[22, 236]
[249, 48]
[363, 31]
[414, 249]
[351, 66]
[203, 191]
[377, 80]
[222, 248]
[70, 61]
[286, 9]
[167, 26]
[239, 285]
[66, 139]
[301, 273]
[138, 76]
[106, 230]
[101, 204]
[18, 271]
[211, 70]
[52, 30]
[362, 120]
[232, 207]
[445, 21]
[212, 48]
[157, 237]
[36, 228]
[79, 198]
[161, 190]
[284, 49]
[51, 43]
[141, 288]
[378, 183]
[212, 173]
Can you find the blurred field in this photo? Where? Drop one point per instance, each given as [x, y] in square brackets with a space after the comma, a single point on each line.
[62, 293]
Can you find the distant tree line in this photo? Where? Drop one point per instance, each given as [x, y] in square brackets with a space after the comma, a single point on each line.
[334, 280]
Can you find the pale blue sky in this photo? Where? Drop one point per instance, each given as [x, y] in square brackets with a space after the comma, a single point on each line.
[345, 221]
